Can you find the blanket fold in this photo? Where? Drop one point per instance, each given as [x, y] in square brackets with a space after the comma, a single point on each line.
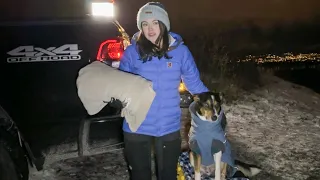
[97, 83]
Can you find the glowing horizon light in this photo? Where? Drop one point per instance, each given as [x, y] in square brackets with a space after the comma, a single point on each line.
[104, 9]
[287, 57]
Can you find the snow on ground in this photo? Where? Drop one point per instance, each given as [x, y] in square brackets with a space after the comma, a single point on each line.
[276, 127]
[110, 166]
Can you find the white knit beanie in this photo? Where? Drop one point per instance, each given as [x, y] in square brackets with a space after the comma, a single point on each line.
[153, 10]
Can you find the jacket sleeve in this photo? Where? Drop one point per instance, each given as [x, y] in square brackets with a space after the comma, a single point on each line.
[126, 61]
[190, 74]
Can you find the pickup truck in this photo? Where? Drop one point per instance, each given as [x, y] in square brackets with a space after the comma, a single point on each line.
[39, 104]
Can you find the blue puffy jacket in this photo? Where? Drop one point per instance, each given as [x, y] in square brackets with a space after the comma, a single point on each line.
[164, 114]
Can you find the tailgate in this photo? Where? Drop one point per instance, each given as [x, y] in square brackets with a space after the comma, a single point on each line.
[39, 66]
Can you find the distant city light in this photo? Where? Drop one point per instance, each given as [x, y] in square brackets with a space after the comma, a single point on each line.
[287, 57]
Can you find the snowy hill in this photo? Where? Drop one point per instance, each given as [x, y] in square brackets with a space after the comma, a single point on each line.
[276, 127]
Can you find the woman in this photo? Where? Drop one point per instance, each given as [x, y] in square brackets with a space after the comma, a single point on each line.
[161, 57]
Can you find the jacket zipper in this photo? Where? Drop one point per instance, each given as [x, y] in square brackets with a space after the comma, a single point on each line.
[158, 86]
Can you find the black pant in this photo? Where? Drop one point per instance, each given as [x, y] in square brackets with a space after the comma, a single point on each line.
[138, 154]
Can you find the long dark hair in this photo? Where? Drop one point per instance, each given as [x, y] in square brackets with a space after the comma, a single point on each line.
[147, 49]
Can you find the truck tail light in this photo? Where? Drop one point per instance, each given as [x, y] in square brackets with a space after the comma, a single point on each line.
[111, 49]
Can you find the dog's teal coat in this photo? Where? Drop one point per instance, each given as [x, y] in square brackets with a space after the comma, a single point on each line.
[206, 134]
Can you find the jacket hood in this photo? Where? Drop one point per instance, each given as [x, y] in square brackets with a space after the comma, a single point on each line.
[175, 40]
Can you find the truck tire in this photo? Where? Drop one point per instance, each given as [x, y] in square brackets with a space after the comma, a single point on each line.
[7, 166]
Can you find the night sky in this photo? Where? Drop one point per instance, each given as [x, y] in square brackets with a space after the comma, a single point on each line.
[261, 12]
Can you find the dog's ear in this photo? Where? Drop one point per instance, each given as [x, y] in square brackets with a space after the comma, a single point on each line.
[196, 98]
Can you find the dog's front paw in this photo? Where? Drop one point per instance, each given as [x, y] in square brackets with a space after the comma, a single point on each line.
[197, 176]
[217, 178]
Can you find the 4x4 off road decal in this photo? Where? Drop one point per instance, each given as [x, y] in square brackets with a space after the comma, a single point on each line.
[67, 52]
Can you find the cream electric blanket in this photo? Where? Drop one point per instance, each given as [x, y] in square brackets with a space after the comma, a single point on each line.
[97, 83]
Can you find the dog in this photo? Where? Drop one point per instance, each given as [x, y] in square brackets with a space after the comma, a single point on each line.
[209, 150]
